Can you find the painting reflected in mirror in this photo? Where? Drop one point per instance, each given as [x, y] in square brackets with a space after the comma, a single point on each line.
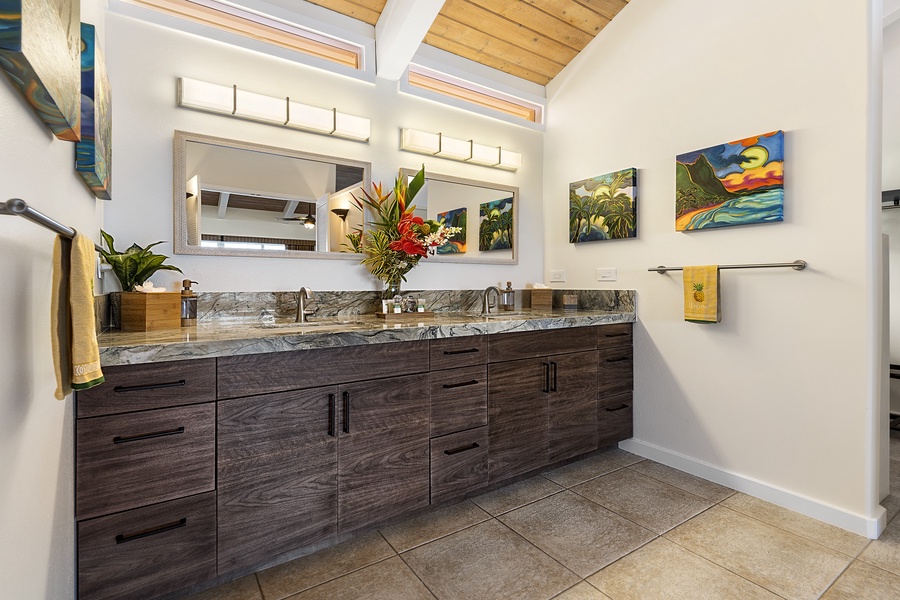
[235, 198]
[486, 212]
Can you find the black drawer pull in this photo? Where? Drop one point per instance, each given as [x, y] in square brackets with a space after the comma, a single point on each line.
[332, 410]
[466, 351]
[615, 334]
[346, 412]
[615, 408]
[554, 387]
[122, 389]
[546, 388]
[147, 436]
[452, 451]
[448, 386]
[620, 359]
[128, 537]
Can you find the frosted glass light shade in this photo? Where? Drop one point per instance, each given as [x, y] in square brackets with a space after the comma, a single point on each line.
[205, 96]
[420, 141]
[349, 126]
[454, 148]
[303, 116]
[485, 155]
[260, 108]
[510, 160]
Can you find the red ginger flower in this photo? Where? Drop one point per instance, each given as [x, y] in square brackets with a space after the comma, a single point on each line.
[409, 241]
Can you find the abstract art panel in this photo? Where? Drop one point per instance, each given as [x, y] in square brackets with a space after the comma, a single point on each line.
[40, 50]
[495, 232]
[604, 207]
[93, 154]
[454, 218]
[738, 183]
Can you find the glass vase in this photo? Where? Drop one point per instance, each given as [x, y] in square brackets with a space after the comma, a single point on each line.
[391, 289]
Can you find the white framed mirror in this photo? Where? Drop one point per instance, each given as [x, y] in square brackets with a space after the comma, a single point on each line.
[235, 198]
[488, 213]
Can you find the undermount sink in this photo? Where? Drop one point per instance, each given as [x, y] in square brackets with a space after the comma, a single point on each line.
[307, 325]
[501, 315]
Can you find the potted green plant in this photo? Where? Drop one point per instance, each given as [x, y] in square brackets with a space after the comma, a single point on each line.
[142, 311]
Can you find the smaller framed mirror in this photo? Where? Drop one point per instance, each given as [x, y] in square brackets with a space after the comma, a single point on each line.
[235, 198]
[487, 212]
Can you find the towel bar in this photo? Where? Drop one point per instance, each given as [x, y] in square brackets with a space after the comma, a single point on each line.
[18, 207]
[797, 265]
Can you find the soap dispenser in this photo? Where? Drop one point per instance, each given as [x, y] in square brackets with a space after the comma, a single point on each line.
[188, 304]
[508, 298]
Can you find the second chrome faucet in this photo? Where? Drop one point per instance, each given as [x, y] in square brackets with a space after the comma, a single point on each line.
[302, 296]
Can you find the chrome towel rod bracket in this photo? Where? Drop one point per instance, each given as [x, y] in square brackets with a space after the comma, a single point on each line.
[797, 265]
[20, 208]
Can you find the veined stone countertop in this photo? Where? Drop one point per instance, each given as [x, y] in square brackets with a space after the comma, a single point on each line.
[230, 339]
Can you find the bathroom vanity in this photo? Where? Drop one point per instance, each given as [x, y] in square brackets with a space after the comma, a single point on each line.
[269, 445]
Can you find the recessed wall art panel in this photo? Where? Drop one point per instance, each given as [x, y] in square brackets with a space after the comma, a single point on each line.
[604, 207]
[738, 183]
[40, 51]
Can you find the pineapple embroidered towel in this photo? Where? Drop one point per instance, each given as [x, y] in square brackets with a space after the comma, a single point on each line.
[701, 294]
[76, 357]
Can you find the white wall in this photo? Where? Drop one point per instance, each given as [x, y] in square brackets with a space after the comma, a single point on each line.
[143, 69]
[777, 399]
[37, 543]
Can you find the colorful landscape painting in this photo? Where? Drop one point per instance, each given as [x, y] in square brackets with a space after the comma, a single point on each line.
[738, 183]
[93, 154]
[495, 232]
[604, 207]
[454, 218]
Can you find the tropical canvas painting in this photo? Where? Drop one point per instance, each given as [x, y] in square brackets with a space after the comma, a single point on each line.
[495, 232]
[738, 183]
[604, 207]
[457, 242]
[93, 154]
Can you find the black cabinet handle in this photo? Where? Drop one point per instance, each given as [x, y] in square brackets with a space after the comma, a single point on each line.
[124, 389]
[615, 408]
[546, 388]
[346, 397]
[332, 406]
[620, 359]
[466, 351]
[555, 379]
[448, 386]
[147, 436]
[128, 537]
[614, 334]
[452, 451]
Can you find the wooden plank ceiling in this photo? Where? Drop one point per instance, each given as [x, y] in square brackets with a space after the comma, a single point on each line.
[532, 39]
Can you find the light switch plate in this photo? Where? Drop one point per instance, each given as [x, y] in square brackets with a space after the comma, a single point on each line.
[557, 276]
[606, 274]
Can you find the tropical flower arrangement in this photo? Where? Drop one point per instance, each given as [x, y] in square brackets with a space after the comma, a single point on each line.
[396, 240]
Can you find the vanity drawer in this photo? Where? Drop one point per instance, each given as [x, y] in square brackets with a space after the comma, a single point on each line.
[616, 370]
[131, 460]
[615, 418]
[449, 353]
[458, 399]
[148, 552]
[532, 344]
[619, 334]
[130, 388]
[459, 464]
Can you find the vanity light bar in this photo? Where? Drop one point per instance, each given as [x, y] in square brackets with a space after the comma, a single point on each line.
[229, 100]
[438, 144]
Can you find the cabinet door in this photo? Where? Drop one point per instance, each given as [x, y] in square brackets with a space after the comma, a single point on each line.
[277, 474]
[517, 417]
[383, 450]
[573, 404]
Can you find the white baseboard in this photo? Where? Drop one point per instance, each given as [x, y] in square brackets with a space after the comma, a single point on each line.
[871, 527]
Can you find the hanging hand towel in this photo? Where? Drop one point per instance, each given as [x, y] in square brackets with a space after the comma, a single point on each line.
[701, 294]
[76, 355]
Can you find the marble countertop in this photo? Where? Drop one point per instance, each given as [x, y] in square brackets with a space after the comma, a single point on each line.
[230, 339]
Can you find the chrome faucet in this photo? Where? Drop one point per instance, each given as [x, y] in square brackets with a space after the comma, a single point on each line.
[302, 296]
[485, 299]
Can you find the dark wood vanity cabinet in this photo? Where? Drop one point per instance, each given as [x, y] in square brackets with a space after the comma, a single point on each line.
[191, 470]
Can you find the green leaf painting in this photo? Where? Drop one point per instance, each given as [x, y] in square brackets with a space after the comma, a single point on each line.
[604, 207]
[495, 231]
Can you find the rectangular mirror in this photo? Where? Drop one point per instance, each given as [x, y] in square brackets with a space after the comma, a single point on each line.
[487, 212]
[235, 198]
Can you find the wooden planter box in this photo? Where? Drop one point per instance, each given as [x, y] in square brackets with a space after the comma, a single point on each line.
[150, 312]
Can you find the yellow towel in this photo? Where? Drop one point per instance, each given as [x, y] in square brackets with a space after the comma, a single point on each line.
[701, 294]
[76, 356]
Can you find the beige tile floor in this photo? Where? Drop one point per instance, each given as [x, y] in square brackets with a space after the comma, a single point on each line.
[609, 527]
